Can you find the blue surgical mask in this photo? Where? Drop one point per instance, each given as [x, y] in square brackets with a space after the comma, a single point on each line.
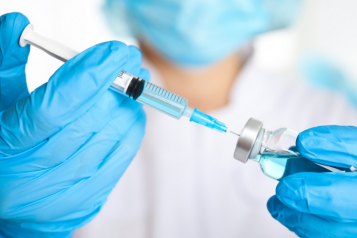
[201, 32]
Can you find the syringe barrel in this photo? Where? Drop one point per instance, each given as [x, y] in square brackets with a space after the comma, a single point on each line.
[163, 100]
[125, 83]
[150, 94]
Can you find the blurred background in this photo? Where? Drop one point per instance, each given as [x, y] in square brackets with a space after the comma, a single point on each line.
[326, 30]
[319, 49]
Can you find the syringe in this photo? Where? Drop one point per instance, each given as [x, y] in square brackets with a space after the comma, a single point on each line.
[133, 87]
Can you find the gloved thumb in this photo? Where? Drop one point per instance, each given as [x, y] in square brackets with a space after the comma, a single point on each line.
[329, 145]
[69, 93]
[13, 59]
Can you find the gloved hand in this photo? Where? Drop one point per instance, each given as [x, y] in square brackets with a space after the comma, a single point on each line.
[321, 204]
[63, 147]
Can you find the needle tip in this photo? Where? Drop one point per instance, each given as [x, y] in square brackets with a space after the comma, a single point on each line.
[235, 133]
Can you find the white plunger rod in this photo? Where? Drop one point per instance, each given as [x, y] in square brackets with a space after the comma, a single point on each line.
[55, 49]
[65, 53]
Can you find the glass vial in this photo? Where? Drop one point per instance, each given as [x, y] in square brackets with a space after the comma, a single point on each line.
[275, 151]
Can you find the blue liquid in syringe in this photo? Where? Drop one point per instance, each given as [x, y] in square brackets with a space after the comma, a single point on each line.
[162, 100]
[176, 106]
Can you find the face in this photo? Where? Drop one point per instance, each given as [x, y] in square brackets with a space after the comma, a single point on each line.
[201, 32]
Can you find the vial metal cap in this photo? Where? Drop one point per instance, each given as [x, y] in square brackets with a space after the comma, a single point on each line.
[250, 140]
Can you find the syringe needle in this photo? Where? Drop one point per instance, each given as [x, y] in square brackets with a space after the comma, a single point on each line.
[235, 133]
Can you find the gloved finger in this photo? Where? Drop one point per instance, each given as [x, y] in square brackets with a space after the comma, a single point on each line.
[328, 195]
[15, 228]
[73, 136]
[90, 156]
[307, 225]
[70, 92]
[113, 167]
[329, 145]
[100, 184]
[13, 59]
[144, 74]
[86, 176]
[58, 166]
[133, 65]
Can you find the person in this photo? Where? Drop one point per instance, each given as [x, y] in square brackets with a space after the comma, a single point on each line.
[184, 181]
[64, 146]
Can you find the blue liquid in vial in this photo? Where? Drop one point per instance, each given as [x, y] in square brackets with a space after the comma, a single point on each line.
[278, 165]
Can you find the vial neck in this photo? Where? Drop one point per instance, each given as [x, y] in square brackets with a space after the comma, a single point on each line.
[257, 158]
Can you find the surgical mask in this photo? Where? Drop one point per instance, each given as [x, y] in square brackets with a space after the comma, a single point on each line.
[200, 32]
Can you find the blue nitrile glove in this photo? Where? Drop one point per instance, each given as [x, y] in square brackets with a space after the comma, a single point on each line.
[64, 147]
[321, 204]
